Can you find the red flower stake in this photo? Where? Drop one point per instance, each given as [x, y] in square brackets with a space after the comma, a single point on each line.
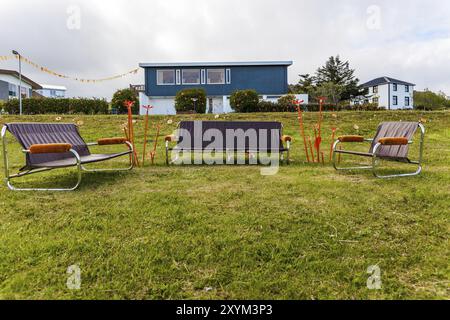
[333, 137]
[298, 103]
[129, 105]
[318, 141]
[148, 108]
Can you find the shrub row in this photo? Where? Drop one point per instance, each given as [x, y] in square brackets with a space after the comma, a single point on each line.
[246, 101]
[57, 106]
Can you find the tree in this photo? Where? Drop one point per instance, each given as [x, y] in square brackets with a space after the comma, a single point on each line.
[429, 100]
[305, 85]
[333, 92]
[119, 98]
[339, 73]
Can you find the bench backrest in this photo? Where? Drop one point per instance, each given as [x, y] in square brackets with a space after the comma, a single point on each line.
[394, 130]
[29, 134]
[247, 136]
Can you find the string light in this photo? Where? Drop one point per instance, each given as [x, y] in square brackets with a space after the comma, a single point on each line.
[59, 75]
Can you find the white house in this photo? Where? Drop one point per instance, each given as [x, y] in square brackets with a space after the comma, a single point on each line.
[52, 91]
[10, 82]
[390, 93]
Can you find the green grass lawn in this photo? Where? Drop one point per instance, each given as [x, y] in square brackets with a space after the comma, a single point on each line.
[227, 232]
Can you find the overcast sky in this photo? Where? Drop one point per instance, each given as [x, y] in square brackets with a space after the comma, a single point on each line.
[405, 39]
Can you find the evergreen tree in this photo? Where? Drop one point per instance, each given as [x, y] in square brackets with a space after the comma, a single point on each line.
[338, 72]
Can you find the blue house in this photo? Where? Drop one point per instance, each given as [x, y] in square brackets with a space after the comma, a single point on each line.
[219, 79]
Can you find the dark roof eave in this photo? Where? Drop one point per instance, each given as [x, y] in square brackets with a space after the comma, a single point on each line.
[215, 64]
[385, 80]
[34, 85]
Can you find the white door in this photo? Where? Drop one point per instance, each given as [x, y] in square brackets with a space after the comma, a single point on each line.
[217, 106]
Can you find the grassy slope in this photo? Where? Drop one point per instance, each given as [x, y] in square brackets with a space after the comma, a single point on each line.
[306, 233]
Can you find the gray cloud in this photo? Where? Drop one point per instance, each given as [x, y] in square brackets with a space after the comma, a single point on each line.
[412, 42]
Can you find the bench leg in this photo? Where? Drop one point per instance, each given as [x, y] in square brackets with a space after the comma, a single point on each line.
[377, 175]
[13, 188]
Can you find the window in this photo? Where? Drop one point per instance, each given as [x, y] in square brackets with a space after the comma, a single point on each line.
[12, 90]
[216, 76]
[375, 100]
[178, 80]
[25, 92]
[406, 88]
[165, 77]
[228, 76]
[203, 76]
[53, 93]
[395, 101]
[395, 87]
[407, 101]
[375, 89]
[191, 76]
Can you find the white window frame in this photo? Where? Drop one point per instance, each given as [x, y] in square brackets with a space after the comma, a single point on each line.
[395, 87]
[13, 86]
[159, 83]
[178, 77]
[216, 69]
[406, 88]
[203, 76]
[228, 76]
[190, 84]
[407, 101]
[395, 100]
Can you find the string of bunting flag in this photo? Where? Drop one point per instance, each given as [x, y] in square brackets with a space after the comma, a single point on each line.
[59, 75]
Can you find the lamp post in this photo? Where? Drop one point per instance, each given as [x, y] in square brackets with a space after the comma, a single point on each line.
[195, 104]
[20, 79]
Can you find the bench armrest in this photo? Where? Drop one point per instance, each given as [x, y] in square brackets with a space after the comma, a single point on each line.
[393, 141]
[351, 139]
[111, 141]
[50, 148]
[286, 138]
[170, 138]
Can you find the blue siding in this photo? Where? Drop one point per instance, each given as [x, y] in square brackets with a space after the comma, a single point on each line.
[263, 79]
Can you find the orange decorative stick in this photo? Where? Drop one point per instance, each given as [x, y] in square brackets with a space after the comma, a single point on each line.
[311, 148]
[333, 137]
[302, 127]
[145, 132]
[319, 128]
[153, 153]
[129, 105]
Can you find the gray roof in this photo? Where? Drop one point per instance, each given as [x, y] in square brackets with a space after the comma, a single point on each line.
[385, 80]
[216, 64]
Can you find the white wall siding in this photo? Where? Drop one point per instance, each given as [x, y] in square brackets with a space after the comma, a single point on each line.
[386, 95]
[162, 105]
[220, 104]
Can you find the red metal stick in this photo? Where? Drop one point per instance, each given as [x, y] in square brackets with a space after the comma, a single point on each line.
[333, 137]
[311, 149]
[302, 127]
[153, 153]
[145, 132]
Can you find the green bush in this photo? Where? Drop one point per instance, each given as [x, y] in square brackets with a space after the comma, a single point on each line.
[57, 106]
[119, 98]
[244, 101]
[428, 100]
[287, 102]
[184, 100]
